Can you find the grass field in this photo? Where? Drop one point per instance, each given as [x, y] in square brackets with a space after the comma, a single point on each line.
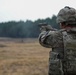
[25, 58]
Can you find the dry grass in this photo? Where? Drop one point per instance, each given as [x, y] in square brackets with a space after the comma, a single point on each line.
[23, 58]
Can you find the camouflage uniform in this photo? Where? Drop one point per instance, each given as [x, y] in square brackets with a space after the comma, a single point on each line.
[62, 59]
[53, 39]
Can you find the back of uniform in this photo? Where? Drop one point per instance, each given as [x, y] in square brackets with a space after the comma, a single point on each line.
[69, 39]
[54, 40]
[62, 58]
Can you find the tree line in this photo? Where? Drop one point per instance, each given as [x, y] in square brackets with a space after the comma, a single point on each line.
[27, 29]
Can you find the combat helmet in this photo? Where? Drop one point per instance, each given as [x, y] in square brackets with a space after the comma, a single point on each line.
[67, 14]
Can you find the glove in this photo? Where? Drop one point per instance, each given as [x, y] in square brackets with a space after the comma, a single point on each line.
[46, 28]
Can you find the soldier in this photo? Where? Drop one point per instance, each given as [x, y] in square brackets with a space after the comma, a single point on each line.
[62, 59]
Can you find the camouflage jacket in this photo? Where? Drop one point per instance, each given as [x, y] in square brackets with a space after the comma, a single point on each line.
[63, 54]
[52, 39]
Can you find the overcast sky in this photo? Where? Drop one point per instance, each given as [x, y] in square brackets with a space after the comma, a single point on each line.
[31, 9]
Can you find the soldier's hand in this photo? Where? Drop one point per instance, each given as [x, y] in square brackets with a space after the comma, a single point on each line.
[43, 28]
[49, 27]
[46, 28]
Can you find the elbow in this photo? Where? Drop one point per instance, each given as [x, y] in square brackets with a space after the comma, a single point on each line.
[43, 39]
[42, 43]
[45, 45]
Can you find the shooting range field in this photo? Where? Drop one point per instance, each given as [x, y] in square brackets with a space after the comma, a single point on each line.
[23, 57]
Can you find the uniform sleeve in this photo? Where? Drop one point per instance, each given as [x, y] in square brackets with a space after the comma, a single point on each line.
[46, 38]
